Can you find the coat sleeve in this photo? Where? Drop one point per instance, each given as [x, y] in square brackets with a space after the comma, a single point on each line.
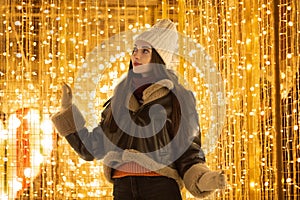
[76, 143]
[191, 165]
[193, 155]
[190, 136]
[88, 145]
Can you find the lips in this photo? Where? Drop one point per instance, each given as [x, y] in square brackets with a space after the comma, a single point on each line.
[136, 64]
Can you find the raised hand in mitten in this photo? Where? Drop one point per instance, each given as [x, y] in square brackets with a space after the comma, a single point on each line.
[66, 99]
[69, 119]
[212, 180]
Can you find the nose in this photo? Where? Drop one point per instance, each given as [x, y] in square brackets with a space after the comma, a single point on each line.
[136, 56]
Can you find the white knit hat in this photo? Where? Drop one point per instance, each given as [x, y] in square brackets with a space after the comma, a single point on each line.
[163, 38]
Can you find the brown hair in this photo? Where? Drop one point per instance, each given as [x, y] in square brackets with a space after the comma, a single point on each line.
[160, 72]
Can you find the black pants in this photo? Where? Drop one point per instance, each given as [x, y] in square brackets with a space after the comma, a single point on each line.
[146, 188]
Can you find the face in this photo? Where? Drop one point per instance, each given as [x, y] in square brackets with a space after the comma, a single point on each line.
[141, 57]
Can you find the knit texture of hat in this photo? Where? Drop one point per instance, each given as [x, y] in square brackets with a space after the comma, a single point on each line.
[163, 38]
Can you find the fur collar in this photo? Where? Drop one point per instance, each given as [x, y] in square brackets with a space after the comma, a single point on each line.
[153, 92]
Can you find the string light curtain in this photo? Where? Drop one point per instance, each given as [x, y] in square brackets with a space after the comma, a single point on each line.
[45, 43]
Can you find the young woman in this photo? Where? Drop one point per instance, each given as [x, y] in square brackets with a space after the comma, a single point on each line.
[149, 134]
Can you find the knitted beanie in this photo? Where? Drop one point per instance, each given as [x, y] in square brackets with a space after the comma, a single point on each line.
[163, 38]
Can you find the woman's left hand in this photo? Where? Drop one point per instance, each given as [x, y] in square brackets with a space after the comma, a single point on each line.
[66, 99]
[212, 180]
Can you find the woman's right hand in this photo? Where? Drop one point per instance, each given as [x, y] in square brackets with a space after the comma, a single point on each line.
[66, 99]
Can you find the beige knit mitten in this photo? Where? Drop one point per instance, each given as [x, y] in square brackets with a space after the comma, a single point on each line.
[212, 180]
[69, 119]
[66, 99]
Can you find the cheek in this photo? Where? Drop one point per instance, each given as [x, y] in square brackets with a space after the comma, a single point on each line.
[147, 59]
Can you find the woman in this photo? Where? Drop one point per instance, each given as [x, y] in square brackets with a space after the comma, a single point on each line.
[149, 132]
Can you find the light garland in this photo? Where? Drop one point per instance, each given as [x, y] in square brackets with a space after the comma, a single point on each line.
[45, 43]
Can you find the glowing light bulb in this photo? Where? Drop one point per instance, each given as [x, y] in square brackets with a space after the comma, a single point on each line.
[27, 172]
[46, 126]
[13, 122]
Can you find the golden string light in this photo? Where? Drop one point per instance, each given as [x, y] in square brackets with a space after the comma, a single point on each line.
[45, 43]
